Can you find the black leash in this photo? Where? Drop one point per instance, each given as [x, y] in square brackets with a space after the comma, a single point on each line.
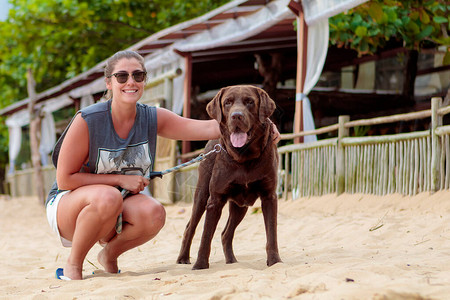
[217, 148]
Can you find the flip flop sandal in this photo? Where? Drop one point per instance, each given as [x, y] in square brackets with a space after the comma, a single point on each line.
[60, 274]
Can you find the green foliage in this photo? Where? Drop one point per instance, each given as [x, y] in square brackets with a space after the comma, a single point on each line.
[9, 91]
[59, 39]
[3, 142]
[25, 151]
[369, 26]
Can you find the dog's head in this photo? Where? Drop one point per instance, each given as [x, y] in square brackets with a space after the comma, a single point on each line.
[241, 111]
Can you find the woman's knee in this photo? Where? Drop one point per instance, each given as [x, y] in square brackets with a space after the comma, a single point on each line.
[108, 201]
[160, 215]
[153, 216]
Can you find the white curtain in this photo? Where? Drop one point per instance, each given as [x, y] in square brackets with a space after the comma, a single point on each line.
[15, 140]
[48, 137]
[316, 53]
[317, 10]
[16, 121]
[317, 13]
[235, 30]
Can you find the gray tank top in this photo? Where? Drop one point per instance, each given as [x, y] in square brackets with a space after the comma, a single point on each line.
[108, 153]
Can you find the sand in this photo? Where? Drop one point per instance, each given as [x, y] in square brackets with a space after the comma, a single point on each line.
[332, 247]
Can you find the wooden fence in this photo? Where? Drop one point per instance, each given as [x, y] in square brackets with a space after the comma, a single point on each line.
[407, 163]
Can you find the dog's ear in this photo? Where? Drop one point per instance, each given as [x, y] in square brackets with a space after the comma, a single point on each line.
[214, 107]
[266, 105]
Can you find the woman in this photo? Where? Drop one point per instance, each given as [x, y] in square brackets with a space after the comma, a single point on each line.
[107, 146]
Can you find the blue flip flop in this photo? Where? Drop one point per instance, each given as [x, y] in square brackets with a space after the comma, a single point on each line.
[60, 274]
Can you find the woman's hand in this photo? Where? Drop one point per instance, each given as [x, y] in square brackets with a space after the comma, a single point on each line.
[133, 183]
[275, 133]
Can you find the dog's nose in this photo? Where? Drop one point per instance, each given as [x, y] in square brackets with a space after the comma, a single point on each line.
[237, 115]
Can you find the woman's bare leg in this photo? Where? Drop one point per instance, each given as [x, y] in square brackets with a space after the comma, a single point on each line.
[85, 216]
[143, 218]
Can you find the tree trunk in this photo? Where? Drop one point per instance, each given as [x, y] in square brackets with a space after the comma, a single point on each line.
[410, 75]
[35, 126]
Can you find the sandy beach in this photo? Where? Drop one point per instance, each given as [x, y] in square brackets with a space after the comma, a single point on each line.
[332, 247]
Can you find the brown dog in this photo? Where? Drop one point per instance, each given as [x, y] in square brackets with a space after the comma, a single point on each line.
[246, 170]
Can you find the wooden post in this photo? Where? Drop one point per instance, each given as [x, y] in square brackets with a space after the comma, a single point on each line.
[302, 42]
[340, 157]
[410, 74]
[186, 145]
[35, 127]
[168, 93]
[436, 121]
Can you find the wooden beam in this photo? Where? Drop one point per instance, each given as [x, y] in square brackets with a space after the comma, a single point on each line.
[35, 127]
[295, 7]
[302, 41]
[186, 145]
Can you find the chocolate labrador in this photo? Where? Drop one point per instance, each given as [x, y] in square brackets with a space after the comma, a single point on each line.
[241, 173]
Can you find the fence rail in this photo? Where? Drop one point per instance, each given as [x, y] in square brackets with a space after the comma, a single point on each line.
[406, 163]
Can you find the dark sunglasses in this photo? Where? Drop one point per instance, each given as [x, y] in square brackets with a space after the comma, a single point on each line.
[122, 77]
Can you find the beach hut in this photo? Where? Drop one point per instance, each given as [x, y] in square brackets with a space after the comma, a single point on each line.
[199, 56]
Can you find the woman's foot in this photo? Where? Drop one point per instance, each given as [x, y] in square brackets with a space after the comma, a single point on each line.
[73, 272]
[110, 266]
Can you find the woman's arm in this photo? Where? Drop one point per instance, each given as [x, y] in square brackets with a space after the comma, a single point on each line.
[173, 126]
[74, 153]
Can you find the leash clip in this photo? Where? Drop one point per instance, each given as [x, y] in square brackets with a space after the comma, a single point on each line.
[216, 149]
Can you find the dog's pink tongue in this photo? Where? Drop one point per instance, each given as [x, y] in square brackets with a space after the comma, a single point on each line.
[238, 139]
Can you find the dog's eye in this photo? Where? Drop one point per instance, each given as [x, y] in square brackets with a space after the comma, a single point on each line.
[249, 102]
[227, 102]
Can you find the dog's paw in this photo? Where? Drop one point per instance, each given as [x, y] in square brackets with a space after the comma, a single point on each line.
[231, 260]
[273, 260]
[200, 265]
[183, 261]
